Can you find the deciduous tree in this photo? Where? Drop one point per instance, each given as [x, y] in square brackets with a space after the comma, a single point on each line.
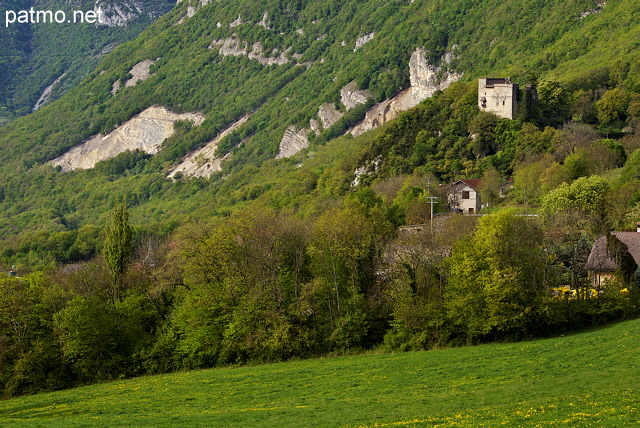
[118, 245]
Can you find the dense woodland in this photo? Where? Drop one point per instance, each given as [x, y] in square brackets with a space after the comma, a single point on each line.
[33, 56]
[123, 272]
[311, 266]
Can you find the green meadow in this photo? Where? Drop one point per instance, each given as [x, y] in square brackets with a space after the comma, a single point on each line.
[587, 379]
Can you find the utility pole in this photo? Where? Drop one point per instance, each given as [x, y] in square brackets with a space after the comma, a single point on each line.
[431, 200]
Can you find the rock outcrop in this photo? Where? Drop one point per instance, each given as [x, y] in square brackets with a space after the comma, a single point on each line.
[203, 162]
[192, 8]
[139, 73]
[265, 21]
[117, 14]
[598, 9]
[351, 96]
[425, 79]
[47, 93]
[232, 46]
[145, 131]
[238, 22]
[362, 40]
[293, 141]
[329, 114]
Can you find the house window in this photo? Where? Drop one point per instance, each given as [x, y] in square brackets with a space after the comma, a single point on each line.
[471, 211]
[465, 194]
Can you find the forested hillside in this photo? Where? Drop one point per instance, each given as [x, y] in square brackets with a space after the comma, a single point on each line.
[122, 271]
[34, 56]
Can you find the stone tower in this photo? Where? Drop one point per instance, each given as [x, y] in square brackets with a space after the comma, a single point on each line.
[498, 96]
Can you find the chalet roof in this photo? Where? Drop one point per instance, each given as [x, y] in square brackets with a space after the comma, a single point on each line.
[474, 183]
[509, 183]
[599, 257]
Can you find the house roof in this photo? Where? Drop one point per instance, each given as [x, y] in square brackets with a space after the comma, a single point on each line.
[474, 183]
[599, 257]
[509, 182]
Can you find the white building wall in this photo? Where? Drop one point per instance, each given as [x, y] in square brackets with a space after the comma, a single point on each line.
[498, 98]
[467, 206]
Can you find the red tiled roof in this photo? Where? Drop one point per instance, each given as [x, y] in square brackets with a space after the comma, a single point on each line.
[474, 183]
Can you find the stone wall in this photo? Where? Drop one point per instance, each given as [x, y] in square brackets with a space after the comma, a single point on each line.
[498, 96]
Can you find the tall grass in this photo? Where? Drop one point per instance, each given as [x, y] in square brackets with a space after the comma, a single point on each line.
[584, 379]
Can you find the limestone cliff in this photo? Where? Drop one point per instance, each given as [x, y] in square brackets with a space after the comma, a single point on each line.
[139, 73]
[351, 96]
[293, 141]
[233, 46]
[425, 79]
[117, 15]
[361, 41]
[329, 114]
[145, 131]
[203, 162]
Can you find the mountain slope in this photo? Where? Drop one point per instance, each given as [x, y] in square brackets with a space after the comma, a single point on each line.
[209, 58]
[34, 56]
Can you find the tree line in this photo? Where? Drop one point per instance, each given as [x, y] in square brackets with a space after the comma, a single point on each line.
[265, 285]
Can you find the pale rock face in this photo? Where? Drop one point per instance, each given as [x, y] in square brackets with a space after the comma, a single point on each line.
[236, 23]
[365, 169]
[360, 171]
[315, 126]
[351, 96]
[424, 83]
[424, 76]
[115, 87]
[598, 9]
[293, 141]
[203, 162]
[328, 115]
[361, 41]
[117, 15]
[145, 131]
[192, 9]
[265, 21]
[47, 93]
[232, 46]
[139, 72]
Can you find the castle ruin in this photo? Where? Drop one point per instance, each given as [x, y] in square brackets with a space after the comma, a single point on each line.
[498, 96]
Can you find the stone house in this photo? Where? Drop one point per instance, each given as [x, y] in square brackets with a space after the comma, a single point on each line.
[464, 196]
[498, 96]
[612, 254]
[505, 188]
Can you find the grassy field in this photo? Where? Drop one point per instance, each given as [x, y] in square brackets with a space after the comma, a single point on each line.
[581, 380]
